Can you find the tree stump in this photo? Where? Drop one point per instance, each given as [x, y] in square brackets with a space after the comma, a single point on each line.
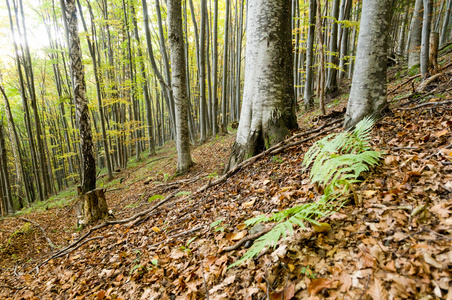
[91, 207]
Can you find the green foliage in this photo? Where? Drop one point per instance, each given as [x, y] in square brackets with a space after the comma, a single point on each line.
[155, 197]
[216, 225]
[340, 159]
[182, 193]
[308, 272]
[337, 161]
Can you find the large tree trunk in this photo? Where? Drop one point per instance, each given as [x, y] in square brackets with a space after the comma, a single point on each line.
[179, 86]
[415, 36]
[268, 112]
[368, 92]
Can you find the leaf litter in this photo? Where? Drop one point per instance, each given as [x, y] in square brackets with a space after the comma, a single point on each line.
[393, 243]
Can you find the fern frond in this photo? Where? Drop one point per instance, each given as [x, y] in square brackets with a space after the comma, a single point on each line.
[337, 161]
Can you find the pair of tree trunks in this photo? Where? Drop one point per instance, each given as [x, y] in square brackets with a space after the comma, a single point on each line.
[91, 202]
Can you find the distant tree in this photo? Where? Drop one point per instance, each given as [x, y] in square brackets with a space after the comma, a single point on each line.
[268, 112]
[368, 92]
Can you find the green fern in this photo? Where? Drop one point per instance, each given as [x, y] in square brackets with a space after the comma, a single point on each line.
[342, 157]
[337, 161]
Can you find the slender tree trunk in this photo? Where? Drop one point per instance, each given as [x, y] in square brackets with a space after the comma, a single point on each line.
[99, 99]
[176, 40]
[214, 69]
[309, 83]
[202, 72]
[321, 87]
[224, 92]
[445, 29]
[331, 84]
[8, 200]
[344, 40]
[415, 36]
[79, 92]
[425, 45]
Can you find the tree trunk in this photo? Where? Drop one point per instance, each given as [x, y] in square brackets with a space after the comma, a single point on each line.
[309, 83]
[331, 84]
[268, 112]
[99, 98]
[415, 36]
[425, 46]
[214, 70]
[321, 73]
[445, 30]
[7, 197]
[368, 92]
[176, 40]
[79, 93]
[224, 86]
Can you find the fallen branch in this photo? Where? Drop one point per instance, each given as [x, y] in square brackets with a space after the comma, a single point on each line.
[403, 83]
[429, 80]
[246, 239]
[51, 245]
[199, 227]
[78, 246]
[426, 104]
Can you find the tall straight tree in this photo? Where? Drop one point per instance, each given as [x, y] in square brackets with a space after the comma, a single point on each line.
[368, 92]
[308, 97]
[415, 36]
[425, 45]
[79, 94]
[268, 111]
[179, 86]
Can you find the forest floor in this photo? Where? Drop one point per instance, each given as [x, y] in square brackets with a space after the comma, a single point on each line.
[392, 242]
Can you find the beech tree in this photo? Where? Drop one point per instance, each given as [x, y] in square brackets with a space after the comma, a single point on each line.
[268, 111]
[368, 92]
[179, 86]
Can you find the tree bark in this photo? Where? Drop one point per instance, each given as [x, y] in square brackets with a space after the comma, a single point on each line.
[368, 92]
[268, 112]
[425, 46]
[179, 88]
[309, 82]
[415, 36]
[445, 30]
[79, 93]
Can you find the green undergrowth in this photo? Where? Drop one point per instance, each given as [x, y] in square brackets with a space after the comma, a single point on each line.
[62, 199]
[336, 163]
